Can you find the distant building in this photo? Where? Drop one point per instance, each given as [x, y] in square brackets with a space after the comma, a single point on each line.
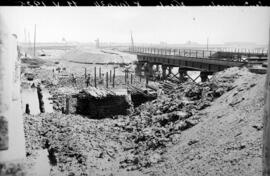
[191, 43]
[163, 43]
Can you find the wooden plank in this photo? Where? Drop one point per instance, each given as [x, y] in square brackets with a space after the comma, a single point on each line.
[67, 105]
[40, 99]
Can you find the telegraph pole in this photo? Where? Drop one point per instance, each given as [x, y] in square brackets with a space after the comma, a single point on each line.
[29, 43]
[25, 36]
[25, 41]
[207, 43]
[132, 42]
[35, 42]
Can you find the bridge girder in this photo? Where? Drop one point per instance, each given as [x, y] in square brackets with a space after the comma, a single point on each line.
[191, 64]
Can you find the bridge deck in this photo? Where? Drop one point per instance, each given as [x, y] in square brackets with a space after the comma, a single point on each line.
[203, 60]
[199, 53]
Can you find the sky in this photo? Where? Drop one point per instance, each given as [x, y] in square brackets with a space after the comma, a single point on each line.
[148, 24]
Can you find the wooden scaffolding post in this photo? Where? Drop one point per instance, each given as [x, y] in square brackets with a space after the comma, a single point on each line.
[40, 99]
[110, 75]
[125, 77]
[107, 84]
[113, 76]
[146, 80]
[67, 105]
[35, 41]
[95, 78]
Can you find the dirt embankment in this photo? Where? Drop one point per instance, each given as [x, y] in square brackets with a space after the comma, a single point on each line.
[228, 140]
[211, 128]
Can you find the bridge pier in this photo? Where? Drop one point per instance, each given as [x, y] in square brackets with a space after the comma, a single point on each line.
[144, 69]
[204, 76]
[150, 69]
[157, 67]
[157, 72]
[182, 74]
[170, 70]
[164, 75]
[139, 67]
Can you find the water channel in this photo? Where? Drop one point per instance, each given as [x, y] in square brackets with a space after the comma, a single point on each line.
[29, 96]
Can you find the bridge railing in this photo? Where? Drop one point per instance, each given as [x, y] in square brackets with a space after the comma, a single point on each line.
[173, 52]
[262, 51]
[200, 54]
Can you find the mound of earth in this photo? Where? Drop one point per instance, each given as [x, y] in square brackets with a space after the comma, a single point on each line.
[228, 140]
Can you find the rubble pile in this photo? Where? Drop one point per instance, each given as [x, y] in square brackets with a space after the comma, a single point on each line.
[72, 141]
[227, 140]
[140, 96]
[67, 81]
[156, 124]
[64, 143]
[97, 93]
[32, 137]
[59, 97]
[149, 135]
[76, 144]
[151, 128]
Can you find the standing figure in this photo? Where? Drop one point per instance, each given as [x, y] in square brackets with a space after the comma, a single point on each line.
[88, 80]
[73, 80]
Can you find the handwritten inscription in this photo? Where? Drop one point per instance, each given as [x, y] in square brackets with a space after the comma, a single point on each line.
[73, 3]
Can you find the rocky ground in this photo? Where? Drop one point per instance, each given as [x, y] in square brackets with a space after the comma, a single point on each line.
[228, 138]
[211, 128]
